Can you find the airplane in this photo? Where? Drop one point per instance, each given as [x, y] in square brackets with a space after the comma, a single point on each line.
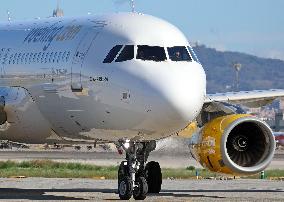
[130, 79]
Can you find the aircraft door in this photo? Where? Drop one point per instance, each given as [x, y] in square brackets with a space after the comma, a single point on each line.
[84, 45]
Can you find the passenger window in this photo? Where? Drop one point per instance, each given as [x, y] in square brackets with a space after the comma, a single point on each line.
[50, 57]
[179, 53]
[68, 56]
[47, 58]
[35, 57]
[64, 56]
[15, 58]
[59, 59]
[23, 58]
[55, 59]
[126, 54]
[152, 53]
[42, 57]
[10, 60]
[31, 57]
[26, 58]
[112, 54]
[38, 57]
[19, 58]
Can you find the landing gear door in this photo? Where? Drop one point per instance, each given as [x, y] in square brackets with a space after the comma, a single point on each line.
[79, 58]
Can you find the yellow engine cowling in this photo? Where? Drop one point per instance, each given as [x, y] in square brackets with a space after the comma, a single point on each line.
[234, 144]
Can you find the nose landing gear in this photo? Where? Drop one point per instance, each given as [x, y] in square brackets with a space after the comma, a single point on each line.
[134, 179]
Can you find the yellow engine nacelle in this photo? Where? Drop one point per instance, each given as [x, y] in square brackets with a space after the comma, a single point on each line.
[234, 144]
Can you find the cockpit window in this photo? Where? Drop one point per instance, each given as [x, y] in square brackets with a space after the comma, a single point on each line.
[126, 54]
[179, 53]
[112, 54]
[195, 58]
[154, 53]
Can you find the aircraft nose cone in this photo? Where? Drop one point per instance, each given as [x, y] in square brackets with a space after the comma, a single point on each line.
[185, 91]
[178, 93]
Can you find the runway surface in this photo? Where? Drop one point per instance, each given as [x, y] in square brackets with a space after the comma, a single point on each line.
[41, 189]
[105, 190]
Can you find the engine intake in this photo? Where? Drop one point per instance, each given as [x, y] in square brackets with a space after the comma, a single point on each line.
[234, 144]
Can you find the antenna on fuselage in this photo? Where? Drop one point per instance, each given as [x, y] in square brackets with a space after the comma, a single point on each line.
[9, 15]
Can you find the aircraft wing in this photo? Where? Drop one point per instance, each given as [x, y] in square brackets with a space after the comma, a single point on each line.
[255, 98]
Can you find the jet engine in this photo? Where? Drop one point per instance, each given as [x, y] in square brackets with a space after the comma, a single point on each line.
[20, 118]
[235, 144]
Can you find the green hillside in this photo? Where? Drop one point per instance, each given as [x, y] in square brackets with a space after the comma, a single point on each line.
[256, 73]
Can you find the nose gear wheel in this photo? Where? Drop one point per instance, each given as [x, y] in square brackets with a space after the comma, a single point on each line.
[153, 176]
[125, 188]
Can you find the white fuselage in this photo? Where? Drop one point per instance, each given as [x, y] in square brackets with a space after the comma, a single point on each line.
[58, 62]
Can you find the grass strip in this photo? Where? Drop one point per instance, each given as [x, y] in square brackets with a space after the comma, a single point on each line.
[52, 169]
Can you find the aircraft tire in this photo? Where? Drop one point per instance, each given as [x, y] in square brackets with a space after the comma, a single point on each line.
[140, 192]
[153, 177]
[125, 188]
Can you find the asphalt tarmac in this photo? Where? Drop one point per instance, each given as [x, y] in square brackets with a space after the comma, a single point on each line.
[42, 189]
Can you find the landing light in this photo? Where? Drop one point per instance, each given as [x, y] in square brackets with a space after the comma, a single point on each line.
[127, 144]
